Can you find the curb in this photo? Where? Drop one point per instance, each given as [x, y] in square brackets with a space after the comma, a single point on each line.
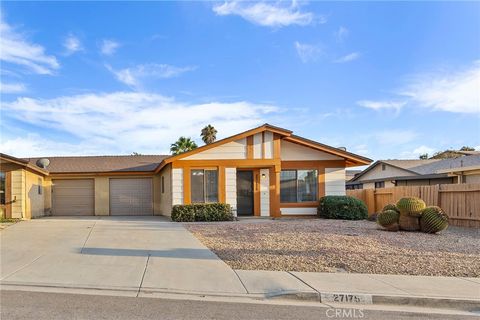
[374, 299]
[327, 298]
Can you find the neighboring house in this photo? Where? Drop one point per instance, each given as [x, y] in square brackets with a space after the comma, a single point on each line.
[266, 171]
[350, 174]
[391, 173]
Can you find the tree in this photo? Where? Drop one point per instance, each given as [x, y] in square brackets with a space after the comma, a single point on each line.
[464, 148]
[182, 145]
[209, 134]
[136, 153]
[423, 156]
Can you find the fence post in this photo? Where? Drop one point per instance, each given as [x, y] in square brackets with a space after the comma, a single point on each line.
[370, 200]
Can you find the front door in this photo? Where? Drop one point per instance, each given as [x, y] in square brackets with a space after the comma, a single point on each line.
[245, 193]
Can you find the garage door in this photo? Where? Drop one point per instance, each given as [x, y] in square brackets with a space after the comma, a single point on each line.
[73, 197]
[131, 197]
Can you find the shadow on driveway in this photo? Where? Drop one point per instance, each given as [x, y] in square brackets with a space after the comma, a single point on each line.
[181, 253]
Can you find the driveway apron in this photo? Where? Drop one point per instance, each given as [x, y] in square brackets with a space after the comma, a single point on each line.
[125, 253]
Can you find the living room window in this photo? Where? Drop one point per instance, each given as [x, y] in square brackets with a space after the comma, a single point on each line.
[379, 184]
[298, 186]
[204, 185]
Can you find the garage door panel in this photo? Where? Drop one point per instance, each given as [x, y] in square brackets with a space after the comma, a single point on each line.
[131, 197]
[73, 197]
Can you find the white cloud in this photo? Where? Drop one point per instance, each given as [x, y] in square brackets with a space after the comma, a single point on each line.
[268, 14]
[307, 52]
[395, 136]
[341, 34]
[16, 49]
[123, 122]
[457, 91]
[72, 44]
[12, 87]
[133, 76]
[109, 47]
[415, 154]
[347, 58]
[454, 91]
[378, 105]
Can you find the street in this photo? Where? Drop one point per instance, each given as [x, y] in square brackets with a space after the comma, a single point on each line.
[40, 305]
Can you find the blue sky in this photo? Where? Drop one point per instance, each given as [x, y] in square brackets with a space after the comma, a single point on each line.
[384, 79]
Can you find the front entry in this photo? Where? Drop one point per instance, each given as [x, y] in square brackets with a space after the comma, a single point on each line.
[245, 194]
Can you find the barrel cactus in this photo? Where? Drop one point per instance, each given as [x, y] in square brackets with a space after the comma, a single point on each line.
[388, 219]
[391, 206]
[407, 222]
[433, 220]
[411, 206]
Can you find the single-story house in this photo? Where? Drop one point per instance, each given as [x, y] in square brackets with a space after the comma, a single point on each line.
[391, 173]
[266, 171]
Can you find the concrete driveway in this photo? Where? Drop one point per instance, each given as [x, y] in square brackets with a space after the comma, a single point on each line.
[124, 253]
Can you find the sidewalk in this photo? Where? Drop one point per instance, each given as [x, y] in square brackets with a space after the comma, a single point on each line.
[364, 288]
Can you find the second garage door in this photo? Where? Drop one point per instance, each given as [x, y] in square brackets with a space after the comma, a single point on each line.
[131, 197]
[73, 197]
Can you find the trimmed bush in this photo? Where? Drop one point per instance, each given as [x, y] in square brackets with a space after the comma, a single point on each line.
[202, 212]
[342, 207]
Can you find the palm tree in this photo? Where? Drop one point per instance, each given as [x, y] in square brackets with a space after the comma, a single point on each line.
[209, 134]
[182, 145]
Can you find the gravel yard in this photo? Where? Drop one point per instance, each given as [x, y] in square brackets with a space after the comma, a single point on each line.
[340, 246]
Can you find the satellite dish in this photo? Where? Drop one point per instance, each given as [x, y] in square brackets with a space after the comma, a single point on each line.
[43, 163]
[342, 148]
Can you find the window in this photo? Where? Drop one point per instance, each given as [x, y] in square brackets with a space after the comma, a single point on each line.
[383, 166]
[379, 184]
[298, 185]
[2, 188]
[163, 184]
[40, 186]
[204, 185]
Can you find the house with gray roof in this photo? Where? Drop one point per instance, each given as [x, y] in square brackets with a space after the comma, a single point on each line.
[391, 173]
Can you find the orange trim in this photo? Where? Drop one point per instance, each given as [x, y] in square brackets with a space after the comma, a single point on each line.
[353, 158]
[250, 147]
[221, 184]
[274, 192]
[242, 135]
[246, 163]
[186, 186]
[256, 192]
[276, 146]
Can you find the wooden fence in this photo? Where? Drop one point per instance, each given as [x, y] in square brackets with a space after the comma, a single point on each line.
[460, 201]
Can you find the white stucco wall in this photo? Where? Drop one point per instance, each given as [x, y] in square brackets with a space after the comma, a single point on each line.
[257, 146]
[265, 192]
[335, 181]
[268, 144]
[294, 152]
[294, 211]
[231, 188]
[231, 150]
[377, 173]
[177, 186]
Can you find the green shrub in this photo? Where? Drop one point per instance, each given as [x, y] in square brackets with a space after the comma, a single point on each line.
[202, 212]
[342, 207]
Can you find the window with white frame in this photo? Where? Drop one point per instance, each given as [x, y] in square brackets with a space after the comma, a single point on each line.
[204, 185]
[298, 186]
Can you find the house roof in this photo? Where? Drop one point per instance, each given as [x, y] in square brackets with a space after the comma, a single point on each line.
[352, 159]
[430, 167]
[9, 163]
[97, 164]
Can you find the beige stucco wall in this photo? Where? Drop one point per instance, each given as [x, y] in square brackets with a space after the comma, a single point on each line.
[34, 195]
[47, 196]
[232, 150]
[102, 196]
[473, 177]
[165, 198]
[18, 193]
[295, 152]
[377, 173]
